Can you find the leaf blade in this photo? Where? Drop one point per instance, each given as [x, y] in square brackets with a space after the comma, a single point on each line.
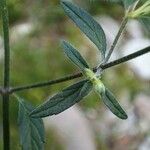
[146, 24]
[111, 102]
[74, 55]
[87, 25]
[31, 130]
[63, 100]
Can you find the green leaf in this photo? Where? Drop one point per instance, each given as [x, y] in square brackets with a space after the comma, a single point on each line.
[127, 3]
[74, 55]
[87, 25]
[146, 23]
[63, 100]
[111, 102]
[31, 129]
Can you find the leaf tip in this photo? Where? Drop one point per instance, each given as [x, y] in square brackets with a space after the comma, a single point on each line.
[124, 117]
[62, 2]
[64, 45]
[63, 42]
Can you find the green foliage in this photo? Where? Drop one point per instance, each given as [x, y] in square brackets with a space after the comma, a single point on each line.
[141, 12]
[63, 100]
[16, 10]
[73, 94]
[146, 24]
[87, 25]
[111, 102]
[75, 56]
[31, 130]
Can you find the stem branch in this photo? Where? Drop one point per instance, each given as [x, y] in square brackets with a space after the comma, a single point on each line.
[122, 27]
[79, 74]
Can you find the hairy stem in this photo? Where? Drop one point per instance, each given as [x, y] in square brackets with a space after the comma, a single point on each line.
[122, 27]
[77, 75]
[4, 12]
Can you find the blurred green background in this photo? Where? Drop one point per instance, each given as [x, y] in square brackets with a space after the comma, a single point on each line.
[38, 56]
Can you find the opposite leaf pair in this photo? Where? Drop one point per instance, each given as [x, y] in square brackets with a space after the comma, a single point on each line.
[32, 129]
[73, 94]
[107, 97]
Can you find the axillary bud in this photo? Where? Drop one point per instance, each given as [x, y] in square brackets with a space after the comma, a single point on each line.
[97, 83]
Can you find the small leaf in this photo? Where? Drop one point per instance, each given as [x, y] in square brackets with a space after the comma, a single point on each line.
[74, 55]
[31, 129]
[63, 100]
[87, 25]
[146, 24]
[110, 101]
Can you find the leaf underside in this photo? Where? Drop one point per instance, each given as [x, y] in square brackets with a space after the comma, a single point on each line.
[111, 102]
[63, 100]
[31, 129]
[146, 23]
[74, 55]
[87, 25]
